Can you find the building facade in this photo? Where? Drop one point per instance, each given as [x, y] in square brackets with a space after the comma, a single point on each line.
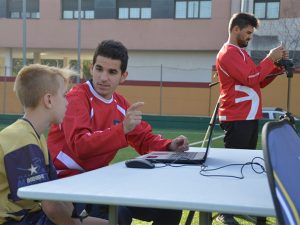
[171, 43]
[169, 33]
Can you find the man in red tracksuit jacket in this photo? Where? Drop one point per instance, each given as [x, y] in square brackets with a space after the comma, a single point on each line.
[99, 122]
[240, 83]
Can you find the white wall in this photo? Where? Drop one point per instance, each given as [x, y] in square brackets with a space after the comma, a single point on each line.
[177, 66]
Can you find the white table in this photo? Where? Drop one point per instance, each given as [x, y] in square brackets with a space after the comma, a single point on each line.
[168, 187]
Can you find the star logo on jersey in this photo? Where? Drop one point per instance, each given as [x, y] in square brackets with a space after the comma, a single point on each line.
[34, 167]
[25, 166]
[37, 173]
[33, 170]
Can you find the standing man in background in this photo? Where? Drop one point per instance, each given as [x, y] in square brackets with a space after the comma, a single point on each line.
[99, 122]
[240, 83]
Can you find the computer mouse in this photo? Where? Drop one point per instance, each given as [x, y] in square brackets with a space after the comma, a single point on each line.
[139, 163]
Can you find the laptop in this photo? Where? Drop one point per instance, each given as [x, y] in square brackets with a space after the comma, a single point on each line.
[196, 158]
[185, 157]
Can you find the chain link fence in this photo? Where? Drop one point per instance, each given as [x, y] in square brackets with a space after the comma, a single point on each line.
[159, 76]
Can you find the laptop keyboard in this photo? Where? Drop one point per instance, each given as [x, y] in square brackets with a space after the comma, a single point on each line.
[183, 155]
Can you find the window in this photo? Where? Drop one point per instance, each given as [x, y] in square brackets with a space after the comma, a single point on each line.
[70, 9]
[130, 9]
[191, 9]
[89, 14]
[15, 9]
[76, 14]
[123, 13]
[35, 15]
[267, 9]
[134, 13]
[15, 15]
[146, 13]
[68, 14]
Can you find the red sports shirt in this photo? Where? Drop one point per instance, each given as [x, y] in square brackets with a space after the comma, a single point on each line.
[92, 132]
[240, 82]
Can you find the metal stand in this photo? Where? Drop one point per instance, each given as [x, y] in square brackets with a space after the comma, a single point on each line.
[212, 123]
[288, 116]
[206, 218]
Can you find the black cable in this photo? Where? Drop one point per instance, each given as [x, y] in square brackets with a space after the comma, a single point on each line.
[205, 169]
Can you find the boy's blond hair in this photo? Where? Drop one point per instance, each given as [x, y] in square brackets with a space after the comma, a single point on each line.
[34, 81]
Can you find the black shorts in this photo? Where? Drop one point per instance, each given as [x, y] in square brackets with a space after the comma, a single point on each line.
[240, 134]
[126, 214]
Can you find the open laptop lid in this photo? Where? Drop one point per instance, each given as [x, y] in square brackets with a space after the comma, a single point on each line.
[185, 157]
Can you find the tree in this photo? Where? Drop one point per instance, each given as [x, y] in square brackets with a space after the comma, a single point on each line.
[286, 28]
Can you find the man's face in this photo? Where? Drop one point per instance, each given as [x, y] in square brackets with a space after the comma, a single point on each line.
[244, 36]
[59, 102]
[107, 75]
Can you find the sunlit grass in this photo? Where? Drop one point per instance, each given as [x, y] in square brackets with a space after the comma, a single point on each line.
[242, 220]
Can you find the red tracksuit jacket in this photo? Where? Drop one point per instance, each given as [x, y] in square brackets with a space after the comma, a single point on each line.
[240, 82]
[92, 132]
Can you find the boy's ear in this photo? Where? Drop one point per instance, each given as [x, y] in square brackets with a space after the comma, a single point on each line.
[123, 77]
[47, 101]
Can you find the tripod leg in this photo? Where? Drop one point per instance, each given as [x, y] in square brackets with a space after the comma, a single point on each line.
[205, 218]
[212, 122]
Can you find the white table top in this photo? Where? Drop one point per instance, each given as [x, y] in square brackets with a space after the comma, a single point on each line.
[168, 187]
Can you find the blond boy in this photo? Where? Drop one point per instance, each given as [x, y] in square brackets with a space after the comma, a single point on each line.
[24, 157]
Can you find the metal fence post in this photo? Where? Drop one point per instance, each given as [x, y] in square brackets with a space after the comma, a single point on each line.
[4, 90]
[24, 15]
[161, 91]
[78, 42]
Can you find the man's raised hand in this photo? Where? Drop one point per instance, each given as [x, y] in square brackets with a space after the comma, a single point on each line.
[133, 117]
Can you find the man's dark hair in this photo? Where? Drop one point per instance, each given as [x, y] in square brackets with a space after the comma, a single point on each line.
[242, 20]
[113, 50]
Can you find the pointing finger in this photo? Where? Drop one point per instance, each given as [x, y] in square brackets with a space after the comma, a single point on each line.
[135, 106]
